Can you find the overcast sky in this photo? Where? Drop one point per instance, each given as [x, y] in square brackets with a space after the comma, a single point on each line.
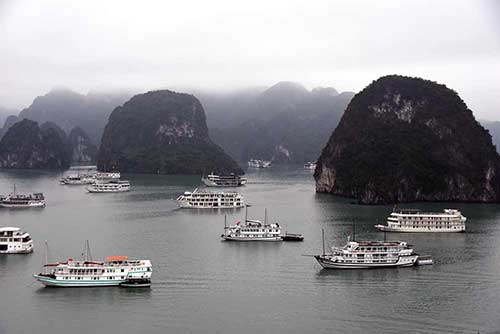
[228, 44]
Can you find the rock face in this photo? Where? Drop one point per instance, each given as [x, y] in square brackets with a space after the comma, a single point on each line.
[82, 149]
[9, 121]
[406, 139]
[26, 145]
[161, 132]
[285, 123]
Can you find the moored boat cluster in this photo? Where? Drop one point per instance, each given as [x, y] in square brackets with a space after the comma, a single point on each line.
[120, 271]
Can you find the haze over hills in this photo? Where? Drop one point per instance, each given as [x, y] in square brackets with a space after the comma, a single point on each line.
[284, 123]
[68, 109]
[406, 139]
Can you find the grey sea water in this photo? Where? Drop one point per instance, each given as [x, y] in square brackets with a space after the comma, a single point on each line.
[203, 285]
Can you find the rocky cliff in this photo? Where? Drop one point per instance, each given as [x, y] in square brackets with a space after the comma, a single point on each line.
[26, 145]
[161, 132]
[407, 139]
[82, 149]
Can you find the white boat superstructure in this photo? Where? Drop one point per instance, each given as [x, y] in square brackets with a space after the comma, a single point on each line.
[252, 230]
[109, 187]
[15, 200]
[107, 175]
[116, 270]
[230, 180]
[407, 220]
[257, 163]
[200, 199]
[77, 179]
[15, 241]
[369, 254]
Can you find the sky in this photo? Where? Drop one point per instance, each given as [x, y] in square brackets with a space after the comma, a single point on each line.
[224, 45]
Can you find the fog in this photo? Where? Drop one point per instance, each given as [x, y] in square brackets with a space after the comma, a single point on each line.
[225, 45]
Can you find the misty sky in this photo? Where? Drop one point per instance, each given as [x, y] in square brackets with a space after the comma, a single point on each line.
[230, 44]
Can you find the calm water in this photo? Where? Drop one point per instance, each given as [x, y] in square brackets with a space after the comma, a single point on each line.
[203, 285]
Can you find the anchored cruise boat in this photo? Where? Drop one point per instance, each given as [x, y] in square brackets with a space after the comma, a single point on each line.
[109, 187]
[256, 163]
[199, 199]
[15, 241]
[114, 271]
[231, 180]
[15, 200]
[410, 220]
[310, 165]
[255, 230]
[77, 179]
[369, 254]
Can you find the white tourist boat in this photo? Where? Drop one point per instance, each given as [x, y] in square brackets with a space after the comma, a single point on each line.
[114, 271]
[15, 200]
[257, 163]
[109, 187]
[369, 254]
[77, 179]
[252, 230]
[200, 199]
[230, 180]
[310, 165]
[15, 241]
[107, 175]
[407, 220]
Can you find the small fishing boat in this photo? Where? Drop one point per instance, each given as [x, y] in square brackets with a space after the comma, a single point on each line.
[292, 237]
[425, 260]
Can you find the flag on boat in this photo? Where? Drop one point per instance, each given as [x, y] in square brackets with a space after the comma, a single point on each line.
[238, 223]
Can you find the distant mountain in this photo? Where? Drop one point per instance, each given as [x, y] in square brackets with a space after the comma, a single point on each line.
[26, 145]
[81, 147]
[6, 112]
[161, 132]
[494, 128]
[9, 121]
[69, 109]
[406, 139]
[284, 123]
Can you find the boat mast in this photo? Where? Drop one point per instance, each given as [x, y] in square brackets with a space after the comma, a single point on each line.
[354, 232]
[225, 222]
[265, 216]
[323, 240]
[46, 257]
[88, 255]
[246, 213]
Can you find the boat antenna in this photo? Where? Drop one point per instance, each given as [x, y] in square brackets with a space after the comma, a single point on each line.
[323, 239]
[88, 255]
[385, 238]
[14, 189]
[225, 222]
[265, 216]
[46, 256]
[246, 213]
[353, 231]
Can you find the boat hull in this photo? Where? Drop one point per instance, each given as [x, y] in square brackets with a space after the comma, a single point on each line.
[404, 261]
[187, 205]
[52, 282]
[247, 239]
[22, 206]
[94, 191]
[385, 228]
[21, 251]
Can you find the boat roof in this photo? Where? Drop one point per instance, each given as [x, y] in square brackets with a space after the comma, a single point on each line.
[376, 243]
[9, 229]
[117, 258]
